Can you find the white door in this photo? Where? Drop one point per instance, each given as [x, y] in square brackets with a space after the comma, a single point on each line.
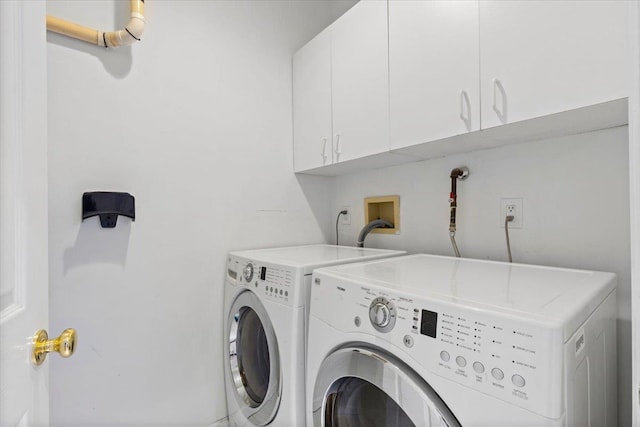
[634, 192]
[312, 104]
[360, 81]
[434, 64]
[543, 57]
[24, 396]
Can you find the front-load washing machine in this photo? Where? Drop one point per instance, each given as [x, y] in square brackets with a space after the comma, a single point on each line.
[436, 341]
[266, 300]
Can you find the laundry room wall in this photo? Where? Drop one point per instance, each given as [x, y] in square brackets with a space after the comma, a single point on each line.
[575, 193]
[195, 122]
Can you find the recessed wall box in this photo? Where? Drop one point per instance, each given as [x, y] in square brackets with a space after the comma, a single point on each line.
[384, 207]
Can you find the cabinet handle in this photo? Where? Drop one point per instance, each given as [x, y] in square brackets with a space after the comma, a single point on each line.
[497, 86]
[464, 99]
[324, 150]
[338, 151]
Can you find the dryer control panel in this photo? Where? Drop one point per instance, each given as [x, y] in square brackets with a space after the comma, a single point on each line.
[510, 358]
[270, 281]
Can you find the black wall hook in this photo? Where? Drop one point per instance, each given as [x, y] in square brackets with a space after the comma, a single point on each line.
[108, 205]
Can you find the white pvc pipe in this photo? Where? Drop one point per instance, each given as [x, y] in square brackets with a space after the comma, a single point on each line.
[127, 36]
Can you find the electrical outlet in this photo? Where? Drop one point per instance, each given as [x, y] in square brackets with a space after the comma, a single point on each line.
[512, 207]
[345, 219]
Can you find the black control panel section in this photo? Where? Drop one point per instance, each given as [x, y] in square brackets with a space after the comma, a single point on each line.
[263, 273]
[429, 323]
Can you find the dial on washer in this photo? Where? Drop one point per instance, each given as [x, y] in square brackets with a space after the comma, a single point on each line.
[248, 272]
[382, 314]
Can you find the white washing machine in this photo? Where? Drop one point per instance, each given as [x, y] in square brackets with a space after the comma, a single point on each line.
[266, 300]
[432, 341]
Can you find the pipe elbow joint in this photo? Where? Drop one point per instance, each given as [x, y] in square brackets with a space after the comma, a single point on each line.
[125, 37]
[135, 27]
[459, 173]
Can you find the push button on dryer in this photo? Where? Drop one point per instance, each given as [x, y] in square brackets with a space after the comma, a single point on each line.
[461, 361]
[444, 355]
[497, 373]
[408, 341]
[518, 381]
[478, 367]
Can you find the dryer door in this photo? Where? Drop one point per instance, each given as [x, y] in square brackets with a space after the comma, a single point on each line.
[254, 359]
[367, 387]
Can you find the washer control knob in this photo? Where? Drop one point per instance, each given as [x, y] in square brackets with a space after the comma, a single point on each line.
[379, 315]
[382, 314]
[248, 272]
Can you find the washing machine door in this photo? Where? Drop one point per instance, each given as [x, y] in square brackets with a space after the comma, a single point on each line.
[361, 386]
[254, 359]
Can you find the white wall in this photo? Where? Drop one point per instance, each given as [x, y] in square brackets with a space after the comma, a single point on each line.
[195, 122]
[576, 212]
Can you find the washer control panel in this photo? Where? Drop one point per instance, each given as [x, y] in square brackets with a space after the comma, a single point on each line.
[270, 281]
[512, 358]
[498, 355]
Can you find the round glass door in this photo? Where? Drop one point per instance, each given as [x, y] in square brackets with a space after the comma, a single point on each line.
[358, 387]
[254, 359]
[354, 402]
[252, 355]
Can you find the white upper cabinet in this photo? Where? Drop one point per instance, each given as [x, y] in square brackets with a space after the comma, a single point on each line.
[390, 82]
[360, 81]
[544, 57]
[312, 104]
[434, 70]
[341, 90]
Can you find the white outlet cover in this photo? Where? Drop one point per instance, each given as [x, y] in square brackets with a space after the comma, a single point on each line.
[518, 220]
[346, 218]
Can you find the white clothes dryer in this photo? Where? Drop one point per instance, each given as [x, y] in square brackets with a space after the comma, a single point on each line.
[426, 340]
[266, 300]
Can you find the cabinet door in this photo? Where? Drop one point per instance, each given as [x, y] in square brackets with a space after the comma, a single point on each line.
[312, 104]
[433, 70]
[543, 57]
[359, 52]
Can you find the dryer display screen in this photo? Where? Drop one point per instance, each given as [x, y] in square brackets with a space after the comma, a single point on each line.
[263, 273]
[429, 323]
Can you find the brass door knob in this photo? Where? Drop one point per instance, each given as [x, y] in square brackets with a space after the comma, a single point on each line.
[65, 345]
